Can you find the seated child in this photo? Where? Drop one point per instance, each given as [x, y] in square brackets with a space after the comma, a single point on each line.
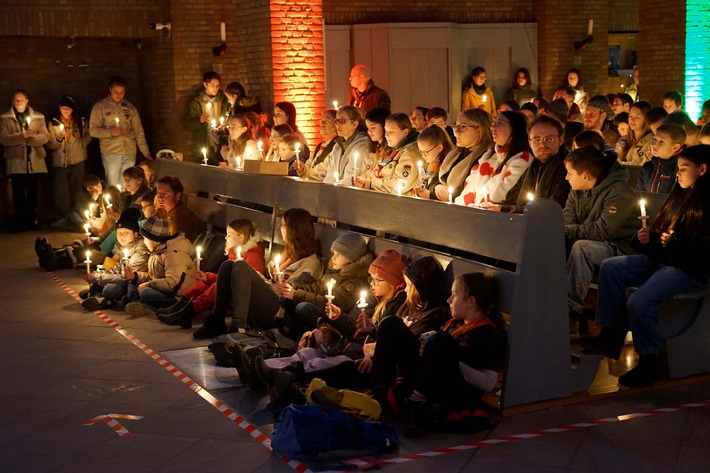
[135, 185]
[199, 297]
[287, 153]
[658, 174]
[130, 250]
[90, 193]
[170, 267]
[598, 220]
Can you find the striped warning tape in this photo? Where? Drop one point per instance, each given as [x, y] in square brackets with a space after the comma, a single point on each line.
[186, 380]
[110, 420]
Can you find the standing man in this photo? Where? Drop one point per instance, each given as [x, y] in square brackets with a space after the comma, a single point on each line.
[117, 125]
[363, 92]
[203, 117]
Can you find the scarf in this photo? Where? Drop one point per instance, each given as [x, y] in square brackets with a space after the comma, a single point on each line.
[467, 326]
[480, 90]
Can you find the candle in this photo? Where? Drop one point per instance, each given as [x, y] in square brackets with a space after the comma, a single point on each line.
[420, 168]
[214, 123]
[485, 98]
[125, 254]
[531, 196]
[107, 199]
[400, 187]
[355, 156]
[590, 27]
[335, 104]
[204, 155]
[239, 162]
[277, 262]
[86, 230]
[298, 151]
[361, 303]
[260, 149]
[117, 120]
[239, 252]
[221, 121]
[86, 215]
[29, 121]
[61, 128]
[88, 262]
[336, 176]
[451, 195]
[330, 285]
[199, 258]
[208, 106]
[644, 216]
[223, 31]
[91, 209]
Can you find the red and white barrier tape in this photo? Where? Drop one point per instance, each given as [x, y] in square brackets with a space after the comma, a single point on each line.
[110, 420]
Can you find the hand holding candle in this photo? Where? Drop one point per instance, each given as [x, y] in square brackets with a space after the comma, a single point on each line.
[329, 297]
[355, 168]
[125, 255]
[277, 266]
[86, 231]
[107, 199]
[643, 216]
[531, 196]
[361, 304]
[451, 195]
[199, 256]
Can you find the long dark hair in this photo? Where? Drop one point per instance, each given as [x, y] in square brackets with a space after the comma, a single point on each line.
[682, 211]
[526, 73]
[483, 287]
[518, 141]
[300, 234]
[290, 110]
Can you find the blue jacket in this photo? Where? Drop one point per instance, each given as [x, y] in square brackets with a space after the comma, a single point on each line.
[658, 175]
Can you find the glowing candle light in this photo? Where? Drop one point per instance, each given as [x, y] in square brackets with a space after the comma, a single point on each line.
[239, 163]
[420, 168]
[29, 122]
[199, 256]
[61, 128]
[239, 252]
[355, 156]
[644, 216]
[484, 98]
[208, 106]
[221, 121]
[86, 230]
[277, 262]
[125, 254]
[86, 215]
[214, 123]
[260, 149]
[361, 303]
[204, 156]
[451, 195]
[117, 121]
[91, 208]
[531, 196]
[335, 104]
[330, 285]
[107, 199]
[88, 262]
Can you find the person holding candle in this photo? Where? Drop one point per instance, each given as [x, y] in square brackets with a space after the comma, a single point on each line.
[285, 114]
[207, 105]
[477, 94]
[118, 139]
[599, 221]
[91, 192]
[23, 134]
[674, 251]
[288, 147]
[636, 148]
[377, 144]
[130, 250]
[351, 140]
[522, 90]
[494, 180]
[434, 145]
[68, 140]
[316, 166]
[200, 297]
[254, 299]
[241, 143]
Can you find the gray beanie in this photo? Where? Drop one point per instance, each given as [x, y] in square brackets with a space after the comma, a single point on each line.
[351, 245]
[156, 229]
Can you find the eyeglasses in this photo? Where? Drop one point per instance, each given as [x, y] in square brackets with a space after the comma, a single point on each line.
[548, 140]
[425, 153]
[460, 127]
[442, 124]
[343, 121]
[499, 124]
[374, 281]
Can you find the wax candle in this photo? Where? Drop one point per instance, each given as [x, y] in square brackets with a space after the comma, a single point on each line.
[484, 98]
[117, 120]
[29, 122]
[335, 104]
[355, 156]
[361, 303]
[214, 123]
[531, 196]
[88, 262]
[61, 128]
[87, 215]
[644, 216]
[107, 199]
[198, 249]
[86, 230]
[91, 208]
[208, 106]
[277, 263]
[125, 254]
[336, 175]
[239, 252]
[204, 155]
[451, 195]
[118, 186]
[239, 162]
[590, 27]
[330, 285]
[260, 149]
[221, 121]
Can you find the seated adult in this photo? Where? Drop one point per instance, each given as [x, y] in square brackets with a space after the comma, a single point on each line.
[418, 118]
[635, 149]
[351, 142]
[316, 166]
[558, 109]
[168, 192]
[598, 116]
[136, 186]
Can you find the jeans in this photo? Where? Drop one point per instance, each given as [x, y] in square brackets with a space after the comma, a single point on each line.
[156, 298]
[109, 291]
[584, 259]
[114, 165]
[655, 282]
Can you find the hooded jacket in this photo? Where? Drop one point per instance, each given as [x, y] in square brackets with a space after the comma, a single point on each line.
[603, 213]
[168, 263]
[17, 160]
[658, 175]
[138, 255]
[342, 158]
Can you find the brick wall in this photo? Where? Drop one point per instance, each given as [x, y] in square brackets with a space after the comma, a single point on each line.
[661, 49]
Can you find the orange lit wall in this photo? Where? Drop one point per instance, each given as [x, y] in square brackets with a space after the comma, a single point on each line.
[298, 56]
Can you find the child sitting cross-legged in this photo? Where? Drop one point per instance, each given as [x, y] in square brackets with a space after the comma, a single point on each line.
[199, 297]
[170, 267]
[128, 251]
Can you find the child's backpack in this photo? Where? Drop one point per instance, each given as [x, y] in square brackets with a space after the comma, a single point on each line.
[212, 255]
[312, 433]
[351, 402]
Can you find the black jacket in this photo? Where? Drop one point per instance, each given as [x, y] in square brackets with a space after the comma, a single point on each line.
[544, 181]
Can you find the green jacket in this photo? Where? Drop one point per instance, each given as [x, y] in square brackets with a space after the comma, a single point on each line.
[202, 132]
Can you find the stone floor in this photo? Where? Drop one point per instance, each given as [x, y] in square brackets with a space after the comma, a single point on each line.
[61, 367]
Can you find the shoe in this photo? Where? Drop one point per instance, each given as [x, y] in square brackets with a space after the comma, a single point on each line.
[283, 389]
[416, 414]
[252, 353]
[211, 328]
[182, 317]
[181, 302]
[49, 257]
[608, 343]
[241, 362]
[85, 293]
[266, 373]
[92, 304]
[647, 371]
[139, 309]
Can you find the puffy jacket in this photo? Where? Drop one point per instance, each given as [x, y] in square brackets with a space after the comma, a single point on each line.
[168, 263]
[341, 158]
[138, 255]
[16, 159]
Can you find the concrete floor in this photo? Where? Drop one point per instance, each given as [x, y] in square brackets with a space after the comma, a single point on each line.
[61, 367]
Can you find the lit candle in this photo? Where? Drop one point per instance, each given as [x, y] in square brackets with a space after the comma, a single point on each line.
[199, 258]
[86, 230]
[361, 303]
[29, 122]
[221, 121]
[118, 186]
[451, 195]
[87, 215]
[214, 123]
[117, 120]
[420, 168]
[260, 149]
[88, 262]
[91, 209]
[125, 254]
[644, 216]
[336, 175]
[335, 104]
[531, 196]
[330, 285]
[298, 151]
[61, 128]
[204, 155]
[107, 199]
[208, 106]
[484, 98]
[239, 163]
[239, 252]
[355, 156]
[277, 263]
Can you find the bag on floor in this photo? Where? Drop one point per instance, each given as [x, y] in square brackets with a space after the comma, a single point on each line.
[271, 342]
[350, 402]
[212, 255]
[311, 433]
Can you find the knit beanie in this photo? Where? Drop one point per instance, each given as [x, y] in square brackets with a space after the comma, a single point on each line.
[389, 265]
[351, 245]
[68, 101]
[558, 109]
[129, 219]
[156, 229]
[601, 103]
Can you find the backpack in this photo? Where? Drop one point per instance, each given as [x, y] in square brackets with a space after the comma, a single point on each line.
[272, 343]
[351, 402]
[213, 256]
[320, 433]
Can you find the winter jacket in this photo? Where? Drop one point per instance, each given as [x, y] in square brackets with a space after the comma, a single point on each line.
[603, 213]
[71, 149]
[371, 98]
[182, 219]
[350, 281]
[17, 147]
[471, 99]
[202, 132]
[137, 254]
[427, 275]
[456, 167]
[544, 181]
[398, 172]
[639, 153]
[521, 94]
[308, 269]
[658, 175]
[316, 166]
[103, 120]
[482, 348]
[341, 160]
[168, 263]
[492, 181]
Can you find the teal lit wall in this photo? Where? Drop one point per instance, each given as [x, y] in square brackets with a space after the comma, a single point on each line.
[697, 56]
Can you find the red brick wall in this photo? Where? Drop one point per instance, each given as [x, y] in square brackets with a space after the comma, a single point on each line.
[661, 49]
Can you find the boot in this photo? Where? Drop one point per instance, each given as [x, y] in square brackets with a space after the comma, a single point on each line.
[212, 327]
[182, 317]
[608, 343]
[416, 415]
[179, 304]
[266, 374]
[252, 353]
[243, 361]
[647, 371]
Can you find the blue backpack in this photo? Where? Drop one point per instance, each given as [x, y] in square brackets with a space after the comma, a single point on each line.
[312, 433]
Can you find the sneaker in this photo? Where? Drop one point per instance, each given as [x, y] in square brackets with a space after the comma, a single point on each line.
[139, 309]
[92, 304]
[647, 371]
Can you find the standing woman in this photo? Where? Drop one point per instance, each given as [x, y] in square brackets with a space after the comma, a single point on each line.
[522, 91]
[635, 149]
[495, 180]
[68, 140]
[574, 79]
[478, 94]
[285, 114]
[23, 133]
[473, 138]
[674, 251]
[434, 145]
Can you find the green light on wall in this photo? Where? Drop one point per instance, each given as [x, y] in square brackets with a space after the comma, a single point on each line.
[697, 56]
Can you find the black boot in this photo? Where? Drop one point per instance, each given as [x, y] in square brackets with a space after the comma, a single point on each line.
[212, 327]
[241, 362]
[181, 302]
[416, 413]
[647, 371]
[182, 317]
[608, 343]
